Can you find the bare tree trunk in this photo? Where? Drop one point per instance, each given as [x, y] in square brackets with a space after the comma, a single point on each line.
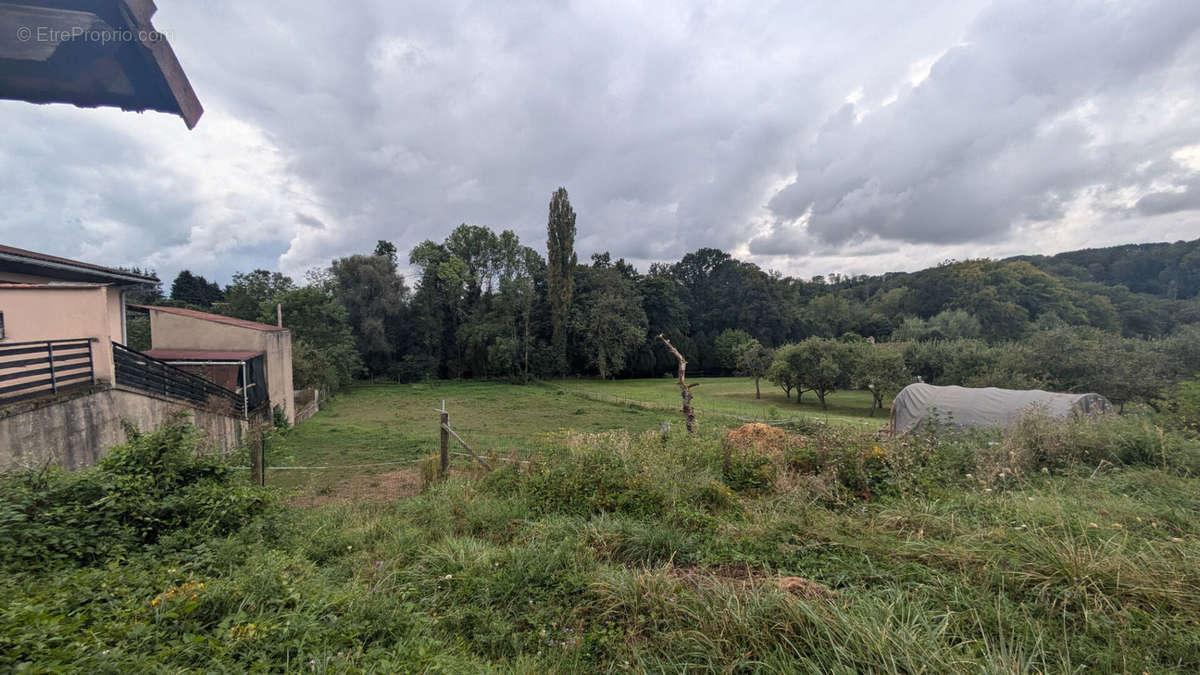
[685, 389]
[757, 393]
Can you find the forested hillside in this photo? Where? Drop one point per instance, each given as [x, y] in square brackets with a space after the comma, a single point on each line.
[484, 304]
[1166, 270]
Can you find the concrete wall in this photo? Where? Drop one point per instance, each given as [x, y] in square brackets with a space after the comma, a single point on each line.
[73, 431]
[66, 312]
[173, 331]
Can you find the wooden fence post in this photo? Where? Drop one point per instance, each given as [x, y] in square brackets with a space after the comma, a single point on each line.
[445, 429]
[262, 457]
[256, 460]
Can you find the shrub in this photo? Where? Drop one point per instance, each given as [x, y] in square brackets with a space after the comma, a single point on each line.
[1037, 442]
[747, 471]
[153, 486]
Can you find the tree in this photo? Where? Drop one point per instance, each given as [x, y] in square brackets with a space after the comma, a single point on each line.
[728, 346]
[754, 360]
[374, 296]
[880, 370]
[607, 320]
[150, 293]
[820, 365]
[560, 269]
[323, 349]
[781, 373]
[386, 249]
[248, 293]
[193, 289]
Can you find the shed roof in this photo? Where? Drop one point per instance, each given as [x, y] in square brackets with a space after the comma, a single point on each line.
[21, 261]
[201, 354]
[91, 53]
[215, 318]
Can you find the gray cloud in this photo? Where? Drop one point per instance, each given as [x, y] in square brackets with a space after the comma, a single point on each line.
[791, 134]
[1033, 108]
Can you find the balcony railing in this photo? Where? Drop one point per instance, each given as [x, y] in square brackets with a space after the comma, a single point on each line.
[43, 368]
[138, 371]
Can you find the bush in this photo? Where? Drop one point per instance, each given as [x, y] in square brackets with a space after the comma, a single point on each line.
[747, 471]
[1181, 410]
[1037, 442]
[139, 493]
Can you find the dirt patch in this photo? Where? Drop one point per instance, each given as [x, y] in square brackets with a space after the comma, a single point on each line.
[804, 588]
[367, 487]
[747, 578]
[761, 438]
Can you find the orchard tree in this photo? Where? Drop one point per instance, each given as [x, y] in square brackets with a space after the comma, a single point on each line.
[880, 370]
[781, 373]
[819, 365]
[753, 360]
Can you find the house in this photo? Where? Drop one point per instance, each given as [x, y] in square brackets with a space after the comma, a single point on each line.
[221, 344]
[68, 383]
[47, 298]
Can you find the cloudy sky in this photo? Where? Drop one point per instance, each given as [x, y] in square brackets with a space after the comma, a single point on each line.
[809, 137]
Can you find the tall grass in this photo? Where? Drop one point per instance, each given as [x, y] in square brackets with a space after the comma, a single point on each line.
[631, 552]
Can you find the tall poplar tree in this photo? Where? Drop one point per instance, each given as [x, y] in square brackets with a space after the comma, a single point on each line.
[560, 269]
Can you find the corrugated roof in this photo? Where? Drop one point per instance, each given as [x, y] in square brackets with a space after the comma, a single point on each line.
[72, 270]
[216, 318]
[201, 354]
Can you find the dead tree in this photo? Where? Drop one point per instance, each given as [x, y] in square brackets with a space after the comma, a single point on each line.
[685, 389]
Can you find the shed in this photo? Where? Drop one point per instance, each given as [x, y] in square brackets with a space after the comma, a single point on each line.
[240, 371]
[966, 407]
[176, 328]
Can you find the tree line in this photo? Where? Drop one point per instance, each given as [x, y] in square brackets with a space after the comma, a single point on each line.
[481, 304]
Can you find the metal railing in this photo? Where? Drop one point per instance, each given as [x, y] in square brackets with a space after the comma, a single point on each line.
[43, 367]
[138, 371]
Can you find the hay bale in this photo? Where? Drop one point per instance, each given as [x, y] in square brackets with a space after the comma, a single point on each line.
[763, 439]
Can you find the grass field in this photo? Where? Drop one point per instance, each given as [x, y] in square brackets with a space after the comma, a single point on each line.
[391, 423]
[1049, 549]
[734, 396]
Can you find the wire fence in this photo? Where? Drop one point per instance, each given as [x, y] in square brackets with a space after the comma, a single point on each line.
[800, 420]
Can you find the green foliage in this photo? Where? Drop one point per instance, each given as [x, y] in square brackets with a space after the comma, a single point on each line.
[560, 269]
[374, 296]
[1181, 407]
[748, 472]
[194, 290]
[864, 555]
[607, 321]
[154, 489]
[729, 345]
[880, 370]
[819, 365]
[253, 295]
[323, 348]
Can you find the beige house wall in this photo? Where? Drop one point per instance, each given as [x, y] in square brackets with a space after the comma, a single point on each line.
[173, 331]
[68, 312]
[74, 431]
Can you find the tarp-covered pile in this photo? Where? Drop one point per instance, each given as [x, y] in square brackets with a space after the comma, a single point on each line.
[964, 407]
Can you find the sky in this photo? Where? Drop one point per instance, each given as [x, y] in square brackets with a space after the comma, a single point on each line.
[856, 137]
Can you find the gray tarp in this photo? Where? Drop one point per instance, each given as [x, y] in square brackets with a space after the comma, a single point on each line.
[988, 407]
